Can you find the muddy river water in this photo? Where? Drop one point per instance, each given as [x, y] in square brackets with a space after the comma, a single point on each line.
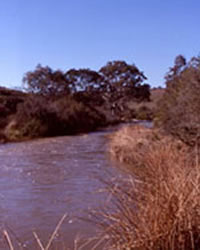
[43, 179]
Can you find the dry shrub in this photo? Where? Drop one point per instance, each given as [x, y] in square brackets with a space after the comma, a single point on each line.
[144, 112]
[75, 117]
[159, 206]
[131, 143]
[38, 116]
[30, 121]
[178, 109]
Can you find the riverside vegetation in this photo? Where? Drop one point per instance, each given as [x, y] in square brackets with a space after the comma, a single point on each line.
[158, 206]
[57, 103]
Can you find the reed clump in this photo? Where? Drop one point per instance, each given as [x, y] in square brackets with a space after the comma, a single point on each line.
[158, 207]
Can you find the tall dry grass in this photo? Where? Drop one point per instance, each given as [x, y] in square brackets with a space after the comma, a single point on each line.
[80, 243]
[41, 245]
[158, 207]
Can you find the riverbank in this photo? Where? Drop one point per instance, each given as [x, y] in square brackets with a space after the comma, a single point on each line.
[158, 206]
[26, 116]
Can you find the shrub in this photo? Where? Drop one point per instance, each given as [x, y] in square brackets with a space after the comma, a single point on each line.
[39, 117]
[144, 113]
[158, 207]
[130, 144]
[178, 110]
[75, 117]
[32, 128]
[9, 99]
[30, 121]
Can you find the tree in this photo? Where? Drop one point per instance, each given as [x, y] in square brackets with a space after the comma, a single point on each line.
[179, 64]
[86, 85]
[123, 82]
[122, 79]
[46, 82]
[84, 80]
[119, 74]
[179, 110]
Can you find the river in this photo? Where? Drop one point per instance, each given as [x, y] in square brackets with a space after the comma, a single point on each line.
[41, 180]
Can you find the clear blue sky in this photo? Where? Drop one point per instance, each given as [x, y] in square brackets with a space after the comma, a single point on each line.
[68, 34]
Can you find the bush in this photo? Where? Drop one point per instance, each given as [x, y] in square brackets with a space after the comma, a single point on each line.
[158, 207]
[144, 113]
[75, 117]
[9, 99]
[39, 117]
[178, 111]
[32, 128]
[30, 121]
[131, 143]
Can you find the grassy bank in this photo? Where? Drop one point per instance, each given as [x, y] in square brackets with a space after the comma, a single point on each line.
[158, 207]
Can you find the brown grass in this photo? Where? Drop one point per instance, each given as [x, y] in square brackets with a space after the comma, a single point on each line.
[159, 206]
[37, 238]
[79, 243]
[131, 144]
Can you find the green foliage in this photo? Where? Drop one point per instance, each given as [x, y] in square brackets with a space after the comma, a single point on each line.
[179, 109]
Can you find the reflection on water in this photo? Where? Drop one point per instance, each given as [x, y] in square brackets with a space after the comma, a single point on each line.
[43, 179]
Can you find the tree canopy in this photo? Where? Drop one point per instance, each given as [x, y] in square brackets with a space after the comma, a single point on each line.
[121, 77]
[83, 80]
[179, 109]
[113, 83]
[45, 81]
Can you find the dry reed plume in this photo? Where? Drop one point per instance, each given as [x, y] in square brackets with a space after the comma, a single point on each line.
[159, 206]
